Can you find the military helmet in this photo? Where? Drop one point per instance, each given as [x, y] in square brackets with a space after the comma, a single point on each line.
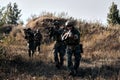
[70, 23]
[56, 23]
[29, 29]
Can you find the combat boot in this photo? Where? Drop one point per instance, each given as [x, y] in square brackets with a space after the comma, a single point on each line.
[73, 72]
[57, 65]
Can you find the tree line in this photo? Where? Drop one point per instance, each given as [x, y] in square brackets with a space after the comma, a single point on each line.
[11, 14]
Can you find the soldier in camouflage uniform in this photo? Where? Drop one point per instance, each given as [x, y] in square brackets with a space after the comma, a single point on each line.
[37, 39]
[29, 36]
[71, 37]
[59, 47]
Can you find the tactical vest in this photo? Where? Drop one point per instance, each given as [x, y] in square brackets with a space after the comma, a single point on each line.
[72, 40]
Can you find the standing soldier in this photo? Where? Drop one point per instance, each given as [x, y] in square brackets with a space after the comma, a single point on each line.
[29, 36]
[72, 39]
[38, 39]
[59, 47]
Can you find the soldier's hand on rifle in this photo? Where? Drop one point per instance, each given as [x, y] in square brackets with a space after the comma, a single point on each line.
[64, 36]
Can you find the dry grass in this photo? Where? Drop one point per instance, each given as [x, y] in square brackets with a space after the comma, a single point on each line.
[100, 60]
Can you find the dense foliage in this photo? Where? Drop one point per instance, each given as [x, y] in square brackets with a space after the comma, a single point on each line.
[113, 16]
[10, 14]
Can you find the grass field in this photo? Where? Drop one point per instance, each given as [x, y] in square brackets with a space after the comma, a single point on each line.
[100, 60]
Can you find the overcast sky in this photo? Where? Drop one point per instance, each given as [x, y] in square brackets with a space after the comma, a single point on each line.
[89, 10]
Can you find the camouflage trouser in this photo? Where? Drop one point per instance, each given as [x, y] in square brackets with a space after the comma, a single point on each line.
[59, 52]
[31, 48]
[37, 45]
[73, 50]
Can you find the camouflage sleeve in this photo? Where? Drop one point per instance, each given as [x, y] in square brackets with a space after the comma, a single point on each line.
[76, 36]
